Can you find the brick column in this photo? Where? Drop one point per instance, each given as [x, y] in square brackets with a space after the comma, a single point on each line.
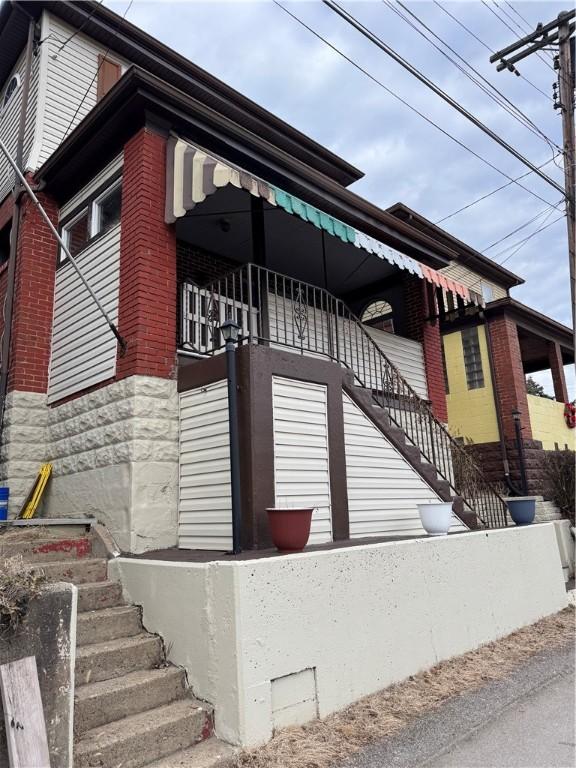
[557, 369]
[509, 375]
[419, 305]
[33, 298]
[147, 307]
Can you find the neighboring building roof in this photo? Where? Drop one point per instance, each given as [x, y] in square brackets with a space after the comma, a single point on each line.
[138, 96]
[465, 254]
[146, 52]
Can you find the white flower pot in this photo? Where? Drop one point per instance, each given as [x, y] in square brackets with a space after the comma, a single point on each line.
[436, 517]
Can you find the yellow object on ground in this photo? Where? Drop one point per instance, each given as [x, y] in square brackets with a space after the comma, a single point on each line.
[35, 496]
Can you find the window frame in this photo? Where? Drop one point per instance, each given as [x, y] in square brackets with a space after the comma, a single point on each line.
[95, 215]
[6, 103]
[475, 378]
[89, 206]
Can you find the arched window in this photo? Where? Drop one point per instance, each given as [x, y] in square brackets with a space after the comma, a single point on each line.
[10, 90]
[379, 315]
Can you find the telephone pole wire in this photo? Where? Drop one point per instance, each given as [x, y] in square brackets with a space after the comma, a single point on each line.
[561, 31]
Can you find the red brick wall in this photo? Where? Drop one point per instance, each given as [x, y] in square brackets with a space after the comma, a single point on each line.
[557, 370]
[147, 308]
[199, 266]
[6, 208]
[509, 375]
[33, 298]
[417, 299]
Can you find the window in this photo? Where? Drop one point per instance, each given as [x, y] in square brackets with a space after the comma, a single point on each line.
[5, 243]
[106, 209]
[108, 75]
[11, 88]
[96, 217]
[472, 358]
[378, 314]
[487, 292]
[76, 233]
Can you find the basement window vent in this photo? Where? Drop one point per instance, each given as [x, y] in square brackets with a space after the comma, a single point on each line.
[472, 358]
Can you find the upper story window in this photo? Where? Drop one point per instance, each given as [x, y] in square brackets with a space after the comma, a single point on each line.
[95, 218]
[487, 292]
[472, 358]
[109, 72]
[11, 89]
[379, 315]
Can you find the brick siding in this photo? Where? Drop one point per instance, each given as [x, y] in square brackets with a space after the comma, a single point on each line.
[417, 308]
[147, 307]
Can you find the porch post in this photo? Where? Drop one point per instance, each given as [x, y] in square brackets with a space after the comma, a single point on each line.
[259, 258]
[557, 369]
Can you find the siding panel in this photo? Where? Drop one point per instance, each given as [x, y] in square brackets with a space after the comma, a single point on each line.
[301, 468]
[205, 497]
[383, 489]
[83, 348]
[407, 356]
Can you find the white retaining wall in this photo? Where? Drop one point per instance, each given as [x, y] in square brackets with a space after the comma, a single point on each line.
[276, 641]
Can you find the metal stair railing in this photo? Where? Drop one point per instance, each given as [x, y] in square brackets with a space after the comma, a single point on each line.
[278, 311]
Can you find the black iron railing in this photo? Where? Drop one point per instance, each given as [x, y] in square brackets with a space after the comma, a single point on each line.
[276, 310]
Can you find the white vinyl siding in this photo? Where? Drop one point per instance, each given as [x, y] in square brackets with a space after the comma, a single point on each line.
[383, 488]
[83, 347]
[98, 181]
[301, 454]
[10, 119]
[472, 280]
[205, 498]
[406, 355]
[71, 82]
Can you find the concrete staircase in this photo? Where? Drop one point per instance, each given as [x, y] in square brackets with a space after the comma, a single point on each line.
[546, 511]
[132, 707]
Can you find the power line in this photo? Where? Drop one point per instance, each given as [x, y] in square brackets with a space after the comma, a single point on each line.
[489, 194]
[379, 43]
[499, 98]
[514, 231]
[102, 60]
[488, 48]
[77, 31]
[522, 243]
[406, 103]
[527, 27]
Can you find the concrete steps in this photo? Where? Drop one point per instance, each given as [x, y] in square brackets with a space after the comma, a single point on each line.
[109, 700]
[131, 707]
[108, 624]
[211, 753]
[103, 661]
[83, 571]
[137, 740]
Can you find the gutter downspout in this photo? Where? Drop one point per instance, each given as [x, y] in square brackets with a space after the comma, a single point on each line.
[11, 278]
[503, 451]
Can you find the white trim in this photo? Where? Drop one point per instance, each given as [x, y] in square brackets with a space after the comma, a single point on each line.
[66, 233]
[95, 207]
[36, 148]
[3, 106]
[97, 181]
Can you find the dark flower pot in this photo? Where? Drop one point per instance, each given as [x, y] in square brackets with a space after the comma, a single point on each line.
[522, 509]
[290, 528]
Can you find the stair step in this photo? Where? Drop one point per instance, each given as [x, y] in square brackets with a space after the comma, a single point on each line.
[104, 702]
[34, 548]
[100, 594]
[211, 753]
[103, 661]
[140, 739]
[75, 571]
[108, 624]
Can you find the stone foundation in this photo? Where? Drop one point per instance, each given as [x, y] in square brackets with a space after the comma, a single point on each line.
[489, 457]
[114, 453]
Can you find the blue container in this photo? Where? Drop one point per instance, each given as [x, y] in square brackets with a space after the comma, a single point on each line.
[4, 496]
[522, 509]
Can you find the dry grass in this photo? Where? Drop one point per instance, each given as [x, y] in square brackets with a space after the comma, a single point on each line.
[322, 743]
[18, 585]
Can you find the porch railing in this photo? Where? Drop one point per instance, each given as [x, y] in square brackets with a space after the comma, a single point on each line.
[278, 311]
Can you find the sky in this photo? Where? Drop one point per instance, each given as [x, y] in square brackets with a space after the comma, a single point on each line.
[265, 54]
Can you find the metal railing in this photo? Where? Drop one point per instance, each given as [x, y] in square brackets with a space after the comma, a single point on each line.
[278, 311]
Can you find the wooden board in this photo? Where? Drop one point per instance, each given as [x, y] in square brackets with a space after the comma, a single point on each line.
[23, 714]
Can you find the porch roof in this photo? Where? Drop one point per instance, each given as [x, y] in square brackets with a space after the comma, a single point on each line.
[193, 174]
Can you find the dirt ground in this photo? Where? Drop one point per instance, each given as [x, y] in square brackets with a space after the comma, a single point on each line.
[322, 743]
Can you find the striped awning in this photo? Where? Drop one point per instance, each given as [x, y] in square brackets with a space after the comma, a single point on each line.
[192, 175]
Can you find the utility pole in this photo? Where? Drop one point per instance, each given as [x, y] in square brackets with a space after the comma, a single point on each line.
[560, 32]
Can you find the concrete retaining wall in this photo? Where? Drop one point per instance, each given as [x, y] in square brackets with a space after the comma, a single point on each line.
[276, 641]
[49, 633]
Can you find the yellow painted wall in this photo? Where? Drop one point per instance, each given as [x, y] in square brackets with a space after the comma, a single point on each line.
[548, 424]
[471, 412]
